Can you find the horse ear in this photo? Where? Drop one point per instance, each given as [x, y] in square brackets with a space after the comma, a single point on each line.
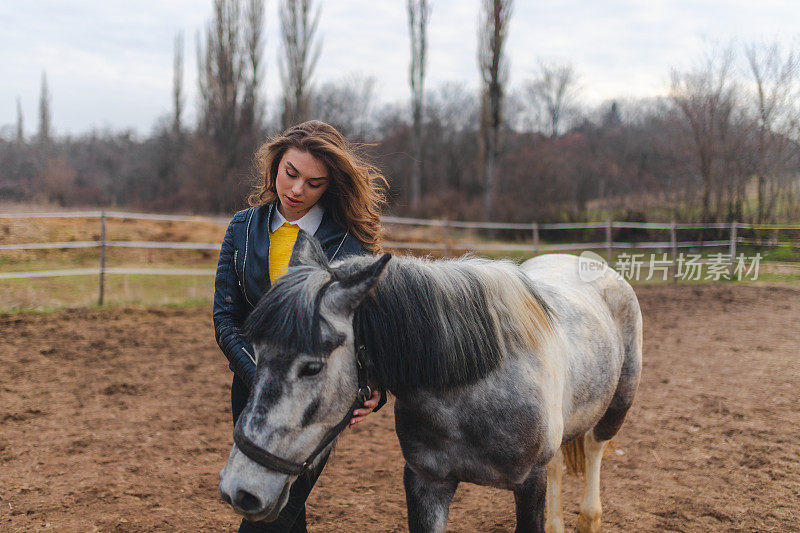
[350, 291]
[307, 251]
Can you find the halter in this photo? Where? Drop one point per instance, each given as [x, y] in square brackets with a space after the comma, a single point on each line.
[278, 464]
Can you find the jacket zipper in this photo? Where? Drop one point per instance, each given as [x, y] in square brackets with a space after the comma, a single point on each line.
[244, 262]
[236, 269]
[340, 246]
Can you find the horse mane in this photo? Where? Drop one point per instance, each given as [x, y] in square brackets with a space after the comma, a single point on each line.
[288, 314]
[439, 324]
[426, 324]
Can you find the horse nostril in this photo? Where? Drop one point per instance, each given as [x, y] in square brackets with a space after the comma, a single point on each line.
[247, 502]
[225, 497]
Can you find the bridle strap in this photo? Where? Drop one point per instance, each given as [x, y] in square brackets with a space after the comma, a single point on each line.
[263, 457]
[272, 462]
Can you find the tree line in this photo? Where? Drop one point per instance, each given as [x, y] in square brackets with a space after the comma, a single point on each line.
[722, 145]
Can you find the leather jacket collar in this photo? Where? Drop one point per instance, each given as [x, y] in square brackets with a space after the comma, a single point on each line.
[254, 270]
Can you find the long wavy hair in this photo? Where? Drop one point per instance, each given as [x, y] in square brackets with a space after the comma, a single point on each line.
[356, 187]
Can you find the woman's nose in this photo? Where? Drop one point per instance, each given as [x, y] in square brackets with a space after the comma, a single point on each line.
[297, 188]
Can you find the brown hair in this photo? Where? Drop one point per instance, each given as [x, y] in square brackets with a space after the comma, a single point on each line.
[355, 192]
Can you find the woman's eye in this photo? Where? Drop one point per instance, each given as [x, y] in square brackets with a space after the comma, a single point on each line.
[310, 369]
[290, 174]
[313, 186]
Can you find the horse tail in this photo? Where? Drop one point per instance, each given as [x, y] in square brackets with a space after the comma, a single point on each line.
[574, 457]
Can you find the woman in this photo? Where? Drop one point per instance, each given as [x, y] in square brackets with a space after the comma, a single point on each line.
[311, 179]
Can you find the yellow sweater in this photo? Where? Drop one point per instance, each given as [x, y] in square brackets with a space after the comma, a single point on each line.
[281, 242]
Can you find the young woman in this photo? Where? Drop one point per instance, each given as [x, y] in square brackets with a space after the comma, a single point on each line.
[311, 179]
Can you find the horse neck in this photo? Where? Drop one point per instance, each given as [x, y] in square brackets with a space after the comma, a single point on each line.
[425, 326]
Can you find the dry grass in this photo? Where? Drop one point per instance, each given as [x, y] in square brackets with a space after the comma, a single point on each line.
[49, 293]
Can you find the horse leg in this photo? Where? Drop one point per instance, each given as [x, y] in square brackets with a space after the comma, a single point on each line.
[554, 516]
[594, 441]
[529, 498]
[589, 518]
[428, 502]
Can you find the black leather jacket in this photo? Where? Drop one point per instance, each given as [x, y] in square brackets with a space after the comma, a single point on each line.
[243, 277]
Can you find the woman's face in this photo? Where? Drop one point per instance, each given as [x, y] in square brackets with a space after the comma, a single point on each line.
[301, 181]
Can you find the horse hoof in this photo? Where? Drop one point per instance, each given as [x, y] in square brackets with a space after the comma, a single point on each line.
[588, 525]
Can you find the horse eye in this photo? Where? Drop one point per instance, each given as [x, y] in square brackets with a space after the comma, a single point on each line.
[310, 369]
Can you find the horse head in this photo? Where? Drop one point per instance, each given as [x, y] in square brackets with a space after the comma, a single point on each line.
[308, 378]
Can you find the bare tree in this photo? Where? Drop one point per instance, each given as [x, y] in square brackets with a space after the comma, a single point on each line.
[774, 74]
[299, 57]
[252, 114]
[346, 104]
[177, 85]
[220, 66]
[492, 31]
[230, 120]
[706, 98]
[612, 118]
[450, 140]
[418, 13]
[740, 164]
[44, 111]
[20, 123]
[553, 93]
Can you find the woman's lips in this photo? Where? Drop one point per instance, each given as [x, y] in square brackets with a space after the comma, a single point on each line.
[291, 201]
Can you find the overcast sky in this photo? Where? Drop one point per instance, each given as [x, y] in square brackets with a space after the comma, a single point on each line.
[109, 63]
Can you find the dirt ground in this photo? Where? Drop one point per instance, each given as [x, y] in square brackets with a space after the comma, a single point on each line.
[118, 420]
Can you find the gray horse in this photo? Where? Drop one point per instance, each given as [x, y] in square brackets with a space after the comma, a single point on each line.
[500, 372]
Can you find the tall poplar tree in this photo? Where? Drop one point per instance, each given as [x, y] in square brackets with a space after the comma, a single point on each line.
[299, 20]
[492, 32]
[44, 111]
[418, 12]
[20, 123]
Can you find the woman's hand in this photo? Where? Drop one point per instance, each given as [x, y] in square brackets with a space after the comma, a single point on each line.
[361, 413]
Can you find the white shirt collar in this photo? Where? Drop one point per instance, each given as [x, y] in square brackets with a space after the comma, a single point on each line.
[309, 222]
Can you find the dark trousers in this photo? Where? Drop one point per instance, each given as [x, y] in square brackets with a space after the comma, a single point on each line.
[292, 518]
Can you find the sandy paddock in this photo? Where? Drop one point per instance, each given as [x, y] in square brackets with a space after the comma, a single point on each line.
[118, 420]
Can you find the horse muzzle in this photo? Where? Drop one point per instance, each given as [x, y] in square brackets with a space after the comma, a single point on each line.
[255, 493]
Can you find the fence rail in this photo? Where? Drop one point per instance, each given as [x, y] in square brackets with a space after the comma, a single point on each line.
[112, 270]
[422, 222]
[120, 214]
[445, 244]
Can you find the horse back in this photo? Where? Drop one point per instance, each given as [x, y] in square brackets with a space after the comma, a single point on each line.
[598, 340]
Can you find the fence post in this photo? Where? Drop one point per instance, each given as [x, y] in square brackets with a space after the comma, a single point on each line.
[102, 255]
[535, 226]
[446, 238]
[608, 242]
[732, 249]
[673, 240]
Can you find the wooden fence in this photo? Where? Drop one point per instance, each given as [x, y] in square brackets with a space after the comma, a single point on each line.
[445, 245]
